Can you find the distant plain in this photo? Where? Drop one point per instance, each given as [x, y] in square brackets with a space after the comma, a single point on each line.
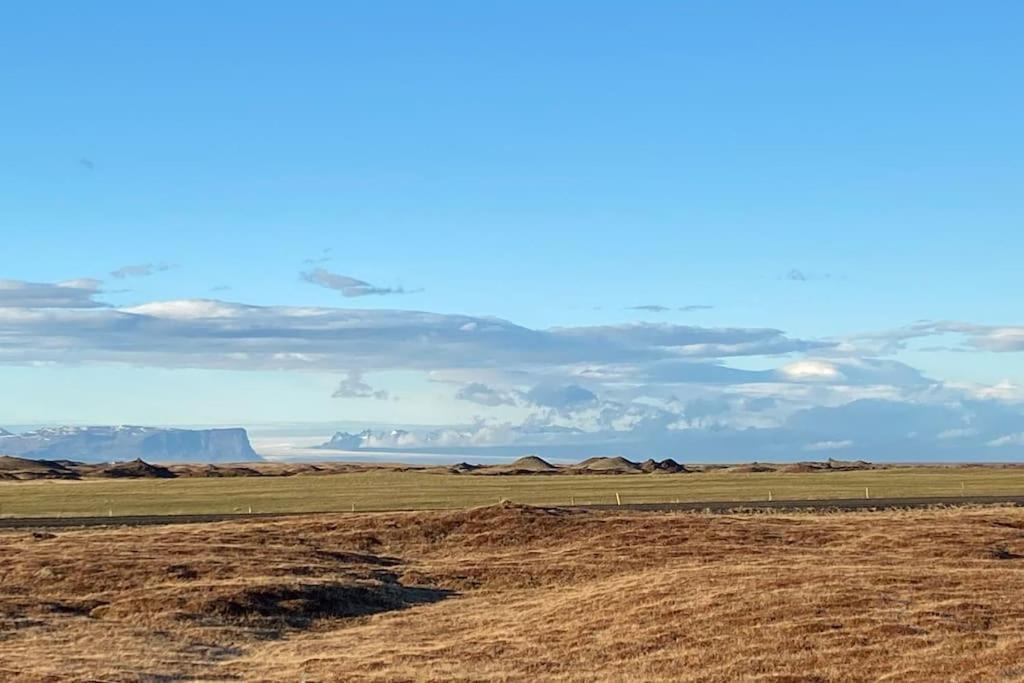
[383, 489]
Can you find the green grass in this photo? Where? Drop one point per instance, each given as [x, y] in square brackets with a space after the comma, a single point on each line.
[387, 490]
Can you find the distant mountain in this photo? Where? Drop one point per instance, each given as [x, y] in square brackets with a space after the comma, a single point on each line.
[394, 438]
[107, 444]
[344, 441]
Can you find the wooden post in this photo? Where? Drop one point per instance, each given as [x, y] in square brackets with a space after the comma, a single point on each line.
[250, 509]
[866, 494]
[769, 495]
[353, 507]
[572, 500]
[618, 501]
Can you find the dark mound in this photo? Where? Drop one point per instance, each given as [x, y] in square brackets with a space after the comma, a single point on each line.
[670, 466]
[529, 464]
[752, 467]
[799, 467]
[135, 469]
[216, 471]
[846, 465]
[463, 467]
[667, 466]
[608, 465]
[12, 468]
[532, 463]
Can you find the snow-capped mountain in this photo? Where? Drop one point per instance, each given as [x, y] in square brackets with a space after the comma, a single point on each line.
[368, 439]
[155, 444]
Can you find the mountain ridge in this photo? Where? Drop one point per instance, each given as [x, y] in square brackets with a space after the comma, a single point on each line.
[129, 442]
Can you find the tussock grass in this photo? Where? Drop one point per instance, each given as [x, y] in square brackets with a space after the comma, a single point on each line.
[515, 593]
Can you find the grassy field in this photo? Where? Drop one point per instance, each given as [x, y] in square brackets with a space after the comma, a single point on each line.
[379, 490]
[509, 593]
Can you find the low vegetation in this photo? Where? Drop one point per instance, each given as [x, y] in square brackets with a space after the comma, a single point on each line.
[347, 487]
[515, 593]
[25, 469]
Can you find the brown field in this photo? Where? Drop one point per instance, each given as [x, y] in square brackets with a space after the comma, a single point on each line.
[516, 593]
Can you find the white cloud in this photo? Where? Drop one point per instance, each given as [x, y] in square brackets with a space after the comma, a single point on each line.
[1016, 439]
[1003, 390]
[828, 445]
[353, 386]
[811, 370]
[64, 323]
[662, 386]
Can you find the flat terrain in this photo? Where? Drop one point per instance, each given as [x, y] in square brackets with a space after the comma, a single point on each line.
[520, 594]
[388, 489]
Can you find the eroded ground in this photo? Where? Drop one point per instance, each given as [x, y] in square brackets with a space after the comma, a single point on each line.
[514, 593]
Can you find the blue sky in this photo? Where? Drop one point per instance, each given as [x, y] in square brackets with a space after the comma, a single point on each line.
[833, 172]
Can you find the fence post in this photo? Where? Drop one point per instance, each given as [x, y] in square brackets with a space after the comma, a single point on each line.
[618, 501]
[769, 495]
[866, 494]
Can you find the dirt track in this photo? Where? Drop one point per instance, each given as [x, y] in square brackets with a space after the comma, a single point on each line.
[713, 506]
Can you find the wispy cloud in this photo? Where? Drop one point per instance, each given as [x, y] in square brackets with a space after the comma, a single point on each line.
[799, 275]
[656, 308]
[349, 286]
[353, 386]
[326, 255]
[560, 396]
[140, 270]
[650, 308]
[486, 395]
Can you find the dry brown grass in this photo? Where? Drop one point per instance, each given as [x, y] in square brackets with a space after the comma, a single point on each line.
[513, 593]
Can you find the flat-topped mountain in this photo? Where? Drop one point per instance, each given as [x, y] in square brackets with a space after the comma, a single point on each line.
[107, 444]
